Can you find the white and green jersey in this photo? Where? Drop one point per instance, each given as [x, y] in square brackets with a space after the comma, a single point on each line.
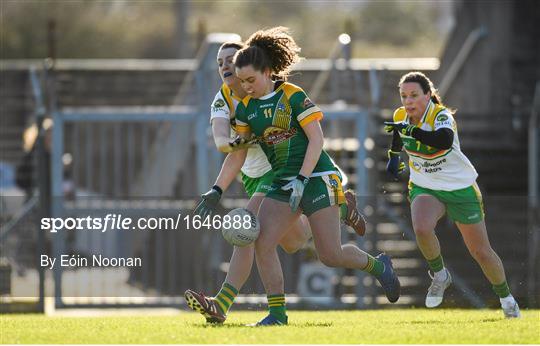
[433, 168]
[223, 106]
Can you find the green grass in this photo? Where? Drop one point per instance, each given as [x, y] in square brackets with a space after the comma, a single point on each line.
[416, 326]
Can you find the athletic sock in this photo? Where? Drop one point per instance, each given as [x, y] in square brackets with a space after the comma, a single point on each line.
[374, 266]
[276, 306]
[225, 297]
[436, 264]
[502, 289]
[343, 211]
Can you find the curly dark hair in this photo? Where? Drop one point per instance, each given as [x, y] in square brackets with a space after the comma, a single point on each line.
[273, 49]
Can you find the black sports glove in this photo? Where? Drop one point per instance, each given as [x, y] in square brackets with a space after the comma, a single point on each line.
[209, 202]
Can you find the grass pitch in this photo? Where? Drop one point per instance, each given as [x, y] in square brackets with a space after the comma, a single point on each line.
[417, 326]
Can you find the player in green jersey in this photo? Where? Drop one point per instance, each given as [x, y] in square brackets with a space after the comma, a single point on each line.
[306, 179]
[257, 177]
[442, 180]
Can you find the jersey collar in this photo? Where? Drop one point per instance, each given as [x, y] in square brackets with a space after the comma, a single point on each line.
[428, 110]
[278, 86]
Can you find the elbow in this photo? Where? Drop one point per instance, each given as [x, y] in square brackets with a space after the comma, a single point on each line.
[446, 146]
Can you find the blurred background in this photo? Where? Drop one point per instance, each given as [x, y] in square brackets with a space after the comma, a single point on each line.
[105, 108]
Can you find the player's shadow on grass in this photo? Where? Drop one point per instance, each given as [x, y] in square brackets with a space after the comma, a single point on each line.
[446, 322]
[244, 325]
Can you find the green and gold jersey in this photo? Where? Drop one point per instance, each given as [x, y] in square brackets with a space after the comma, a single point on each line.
[277, 120]
[432, 168]
[223, 106]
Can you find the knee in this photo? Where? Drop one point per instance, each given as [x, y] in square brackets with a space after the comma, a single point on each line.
[290, 248]
[423, 229]
[330, 259]
[482, 254]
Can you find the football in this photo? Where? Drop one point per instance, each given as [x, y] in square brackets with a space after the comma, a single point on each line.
[240, 227]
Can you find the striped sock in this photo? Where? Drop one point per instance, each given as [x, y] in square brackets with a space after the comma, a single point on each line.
[436, 264]
[374, 266]
[502, 290]
[276, 305]
[225, 297]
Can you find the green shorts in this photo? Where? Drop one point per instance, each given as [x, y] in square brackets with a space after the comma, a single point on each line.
[463, 206]
[261, 184]
[320, 192]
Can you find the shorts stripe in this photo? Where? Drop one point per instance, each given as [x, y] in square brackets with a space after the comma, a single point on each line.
[479, 197]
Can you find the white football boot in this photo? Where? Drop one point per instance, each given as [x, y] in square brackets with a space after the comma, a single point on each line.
[435, 293]
[510, 307]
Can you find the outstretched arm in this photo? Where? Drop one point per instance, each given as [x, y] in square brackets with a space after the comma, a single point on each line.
[221, 132]
[441, 138]
[230, 168]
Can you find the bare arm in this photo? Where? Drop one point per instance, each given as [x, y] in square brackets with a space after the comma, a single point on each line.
[221, 131]
[230, 168]
[314, 133]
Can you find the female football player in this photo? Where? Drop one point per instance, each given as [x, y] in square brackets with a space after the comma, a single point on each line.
[257, 177]
[306, 180]
[442, 179]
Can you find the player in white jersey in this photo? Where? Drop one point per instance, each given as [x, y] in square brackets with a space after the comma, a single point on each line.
[442, 179]
[257, 177]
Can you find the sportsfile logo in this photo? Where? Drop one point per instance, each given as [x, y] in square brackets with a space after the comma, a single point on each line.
[118, 222]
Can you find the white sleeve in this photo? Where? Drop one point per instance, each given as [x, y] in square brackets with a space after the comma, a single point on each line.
[219, 108]
[444, 120]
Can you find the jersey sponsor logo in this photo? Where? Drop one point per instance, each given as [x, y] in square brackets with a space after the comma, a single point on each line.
[308, 103]
[219, 103]
[315, 200]
[274, 135]
[443, 120]
[442, 117]
[281, 108]
[333, 182]
[473, 216]
[443, 123]
[251, 116]
[428, 167]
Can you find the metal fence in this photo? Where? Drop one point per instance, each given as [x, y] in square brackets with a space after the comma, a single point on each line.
[151, 164]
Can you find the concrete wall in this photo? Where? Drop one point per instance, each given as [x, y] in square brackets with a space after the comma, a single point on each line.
[501, 70]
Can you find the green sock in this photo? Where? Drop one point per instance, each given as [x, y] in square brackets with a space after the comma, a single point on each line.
[502, 290]
[374, 266]
[276, 305]
[436, 264]
[343, 211]
[225, 297]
